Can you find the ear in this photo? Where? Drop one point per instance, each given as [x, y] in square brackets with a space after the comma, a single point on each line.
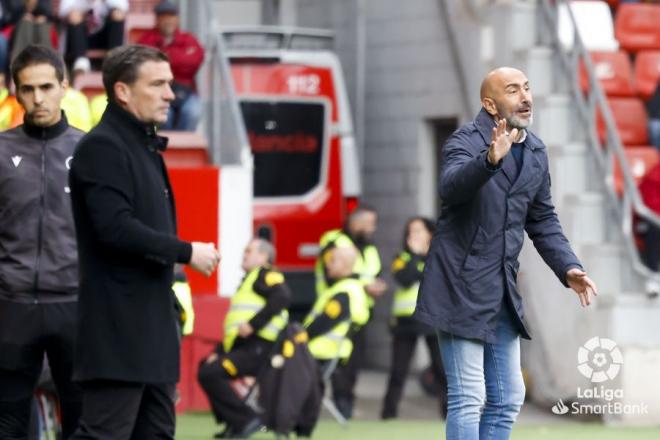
[489, 105]
[64, 84]
[122, 92]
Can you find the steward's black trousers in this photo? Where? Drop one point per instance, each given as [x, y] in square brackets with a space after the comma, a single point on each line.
[27, 331]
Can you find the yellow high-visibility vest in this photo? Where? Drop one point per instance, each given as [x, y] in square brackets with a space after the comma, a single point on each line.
[405, 298]
[245, 304]
[335, 343]
[367, 264]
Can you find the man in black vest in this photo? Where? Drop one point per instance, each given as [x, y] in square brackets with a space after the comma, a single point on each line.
[38, 258]
[127, 357]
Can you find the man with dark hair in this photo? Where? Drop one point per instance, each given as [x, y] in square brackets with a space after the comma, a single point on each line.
[127, 353]
[256, 316]
[358, 232]
[38, 258]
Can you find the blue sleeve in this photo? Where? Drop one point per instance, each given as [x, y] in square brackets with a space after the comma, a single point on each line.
[462, 173]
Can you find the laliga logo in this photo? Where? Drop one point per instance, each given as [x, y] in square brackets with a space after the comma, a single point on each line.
[599, 359]
[560, 408]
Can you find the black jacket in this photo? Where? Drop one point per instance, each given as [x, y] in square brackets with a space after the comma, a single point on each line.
[38, 257]
[291, 391]
[125, 222]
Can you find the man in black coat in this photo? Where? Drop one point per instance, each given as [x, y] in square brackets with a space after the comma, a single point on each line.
[127, 356]
[490, 198]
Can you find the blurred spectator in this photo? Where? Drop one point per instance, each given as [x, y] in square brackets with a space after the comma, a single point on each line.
[653, 109]
[31, 13]
[11, 112]
[649, 187]
[34, 25]
[97, 106]
[77, 109]
[93, 24]
[186, 56]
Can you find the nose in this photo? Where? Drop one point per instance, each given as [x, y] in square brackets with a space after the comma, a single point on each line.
[527, 96]
[169, 94]
[38, 96]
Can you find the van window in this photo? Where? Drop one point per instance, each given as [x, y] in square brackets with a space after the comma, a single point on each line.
[287, 143]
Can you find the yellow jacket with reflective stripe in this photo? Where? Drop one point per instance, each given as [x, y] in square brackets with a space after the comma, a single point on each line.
[405, 298]
[183, 294]
[244, 305]
[367, 265]
[335, 343]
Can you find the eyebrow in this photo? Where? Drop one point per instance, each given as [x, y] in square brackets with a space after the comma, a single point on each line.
[517, 85]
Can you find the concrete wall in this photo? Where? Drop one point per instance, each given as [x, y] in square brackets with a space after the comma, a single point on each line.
[409, 79]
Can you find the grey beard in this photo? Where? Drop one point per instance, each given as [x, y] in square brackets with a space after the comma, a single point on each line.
[515, 122]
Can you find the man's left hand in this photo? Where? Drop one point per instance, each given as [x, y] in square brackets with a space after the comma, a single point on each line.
[582, 285]
[245, 330]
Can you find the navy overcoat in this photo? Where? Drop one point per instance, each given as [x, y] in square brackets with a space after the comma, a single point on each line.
[472, 265]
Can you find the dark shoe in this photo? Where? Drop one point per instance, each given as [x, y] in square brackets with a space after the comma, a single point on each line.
[227, 433]
[250, 428]
[345, 407]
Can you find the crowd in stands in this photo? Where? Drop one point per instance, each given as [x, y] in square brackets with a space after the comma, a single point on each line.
[83, 31]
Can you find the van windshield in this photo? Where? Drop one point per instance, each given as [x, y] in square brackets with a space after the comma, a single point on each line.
[286, 139]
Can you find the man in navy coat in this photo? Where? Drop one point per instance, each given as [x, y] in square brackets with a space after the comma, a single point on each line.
[494, 184]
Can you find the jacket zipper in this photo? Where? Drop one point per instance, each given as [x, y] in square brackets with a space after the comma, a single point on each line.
[42, 202]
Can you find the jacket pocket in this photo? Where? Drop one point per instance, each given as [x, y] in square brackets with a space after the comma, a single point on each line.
[474, 254]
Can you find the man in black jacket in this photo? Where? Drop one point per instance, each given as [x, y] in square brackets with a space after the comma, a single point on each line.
[127, 353]
[38, 258]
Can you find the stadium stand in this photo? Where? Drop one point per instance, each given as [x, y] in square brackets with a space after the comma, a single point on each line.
[594, 23]
[637, 26]
[614, 72]
[647, 72]
[631, 121]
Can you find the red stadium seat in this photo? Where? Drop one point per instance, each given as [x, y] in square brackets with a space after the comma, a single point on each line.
[185, 149]
[637, 26]
[647, 72]
[614, 72]
[137, 24]
[631, 120]
[640, 159]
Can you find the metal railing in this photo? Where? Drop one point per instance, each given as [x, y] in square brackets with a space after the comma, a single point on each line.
[225, 128]
[587, 107]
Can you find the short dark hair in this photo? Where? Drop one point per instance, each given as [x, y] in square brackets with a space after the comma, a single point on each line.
[428, 224]
[34, 54]
[123, 63]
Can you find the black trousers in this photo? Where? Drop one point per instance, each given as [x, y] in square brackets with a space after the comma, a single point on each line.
[27, 331]
[345, 375]
[403, 348]
[248, 358]
[78, 40]
[115, 410]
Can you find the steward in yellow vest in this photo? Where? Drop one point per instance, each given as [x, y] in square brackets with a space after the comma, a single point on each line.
[257, 314]
[358, 233]
[407, 270]
[341, 309]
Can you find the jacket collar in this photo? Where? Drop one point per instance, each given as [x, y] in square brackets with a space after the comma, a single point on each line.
[147, 131]
[46, 133]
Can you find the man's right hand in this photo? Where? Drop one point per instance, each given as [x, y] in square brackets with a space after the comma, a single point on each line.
[501, 142]
[205, 257]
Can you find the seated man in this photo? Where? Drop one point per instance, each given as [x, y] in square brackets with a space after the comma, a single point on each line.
[186, 56]
[341, 309]
[257, 314]
[91, 24]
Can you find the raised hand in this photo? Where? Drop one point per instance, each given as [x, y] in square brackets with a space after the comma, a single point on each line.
[582, 285]
[501, 142]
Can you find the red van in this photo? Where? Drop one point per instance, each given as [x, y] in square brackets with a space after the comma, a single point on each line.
[296, 112]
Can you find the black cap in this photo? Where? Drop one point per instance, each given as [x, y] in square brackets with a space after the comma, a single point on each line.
[166, 7]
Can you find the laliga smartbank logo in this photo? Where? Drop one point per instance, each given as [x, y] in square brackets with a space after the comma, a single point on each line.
[600, 361]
